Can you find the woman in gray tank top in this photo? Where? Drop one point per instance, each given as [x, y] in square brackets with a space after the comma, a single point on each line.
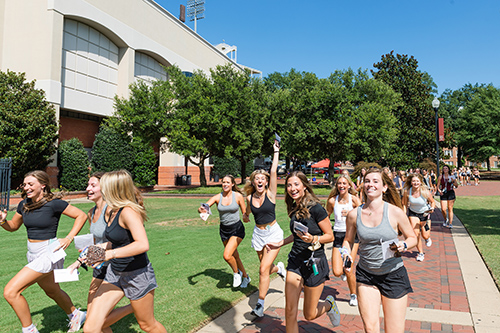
[380, 281]
[232, 231]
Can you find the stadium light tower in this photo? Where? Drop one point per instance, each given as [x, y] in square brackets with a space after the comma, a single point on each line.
[195, 10]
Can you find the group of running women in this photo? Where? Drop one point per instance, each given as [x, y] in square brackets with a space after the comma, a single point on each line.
[121, 269]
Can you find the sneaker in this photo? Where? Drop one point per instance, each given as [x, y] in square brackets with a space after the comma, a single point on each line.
[420, 257]
[343, 277]
[354, 300]
[245, 282]
[30, 329]
[76, 321]
[282, 271]
[450, 226]
[236, 280]
[428, 242]
[333, 313]
[258, 311]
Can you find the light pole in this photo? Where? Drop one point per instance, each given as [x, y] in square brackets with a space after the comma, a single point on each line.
[435, 105]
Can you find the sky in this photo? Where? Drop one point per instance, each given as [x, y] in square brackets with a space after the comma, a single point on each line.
[455, 41]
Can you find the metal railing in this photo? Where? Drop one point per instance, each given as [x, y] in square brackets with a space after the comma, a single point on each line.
[5, 175]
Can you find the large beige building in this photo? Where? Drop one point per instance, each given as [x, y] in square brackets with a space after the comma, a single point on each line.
[84, 52]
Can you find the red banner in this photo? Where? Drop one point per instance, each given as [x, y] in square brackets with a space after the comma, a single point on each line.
[441, 129]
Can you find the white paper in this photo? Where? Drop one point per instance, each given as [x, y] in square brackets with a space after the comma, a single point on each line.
[58, 255]
[82, 241]
[64, 275]
[204, 216]
[386, 248]
[297, 226]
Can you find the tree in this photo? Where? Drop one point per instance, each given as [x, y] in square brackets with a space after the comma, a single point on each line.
[415, 117]
[111, 150]
[28, 126]
[73, 163]
[480, 129]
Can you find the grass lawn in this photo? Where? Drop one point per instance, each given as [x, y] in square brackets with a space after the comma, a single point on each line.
[195, 283]
[481, 217]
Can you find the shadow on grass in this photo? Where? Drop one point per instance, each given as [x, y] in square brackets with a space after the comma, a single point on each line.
[225, 280]
[215, 307]
[480, 221]
[54, 319]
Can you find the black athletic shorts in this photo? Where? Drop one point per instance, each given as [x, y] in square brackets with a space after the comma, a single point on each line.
[298, 266]
[422, 217]
[448, 195]
[100, 273]
[339, 239]
[393, 285]
[236, 229]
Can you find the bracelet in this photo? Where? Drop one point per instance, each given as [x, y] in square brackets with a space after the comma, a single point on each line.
[70, 238]
[3, 222]
[114, 254]
[406, 246]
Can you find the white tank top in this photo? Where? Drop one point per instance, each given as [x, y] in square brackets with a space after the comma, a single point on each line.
[418, 205]
[340, 211]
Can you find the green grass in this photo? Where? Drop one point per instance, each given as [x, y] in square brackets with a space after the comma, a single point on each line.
[186, 253]
[481, 217]
[195, 283]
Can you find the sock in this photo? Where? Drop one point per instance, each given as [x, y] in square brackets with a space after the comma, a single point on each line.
[261, 302]
[30, 329]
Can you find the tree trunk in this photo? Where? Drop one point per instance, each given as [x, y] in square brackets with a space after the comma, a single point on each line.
[488, 164]
[201, 166]
[243, 164]
[459, 157]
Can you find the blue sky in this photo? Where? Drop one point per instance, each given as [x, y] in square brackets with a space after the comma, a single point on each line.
[455, 41]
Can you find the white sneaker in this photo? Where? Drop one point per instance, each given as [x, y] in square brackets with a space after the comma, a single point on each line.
[343, 277]
[428, 242]
[333, 313]
[258, 310]
[245, 282]
[420, 257]
[354, 300]
[450, 226]
[236, 280]
[281, 270]
[76, 321]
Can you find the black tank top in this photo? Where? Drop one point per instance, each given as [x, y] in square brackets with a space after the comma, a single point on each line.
[120, 237]
[264, 214]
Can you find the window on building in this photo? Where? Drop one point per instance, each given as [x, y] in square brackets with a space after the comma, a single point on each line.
[147, 68]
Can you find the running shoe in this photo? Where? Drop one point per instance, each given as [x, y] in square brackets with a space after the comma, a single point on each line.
[282, 270]
[245, 282]
[428, 242]
[333, 313]
[354, 300]
[420, 257]
[343, 277]
[76, 321]
[236, 280]
[450, 226]
[258, 311]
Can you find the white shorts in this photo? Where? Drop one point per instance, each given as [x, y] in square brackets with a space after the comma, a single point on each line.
[270, 234]
[38, 258]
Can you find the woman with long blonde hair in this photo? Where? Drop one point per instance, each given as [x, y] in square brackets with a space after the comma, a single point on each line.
[418, 201]
[261, 202]
[130, 273]
[342, 199]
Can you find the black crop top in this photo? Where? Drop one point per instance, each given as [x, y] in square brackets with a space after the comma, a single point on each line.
[120, 237]
[264, 214]
[42, 223]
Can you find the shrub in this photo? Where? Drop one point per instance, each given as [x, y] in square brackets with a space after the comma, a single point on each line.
[226, 166]
[361, 165]
[428, 164]
[145, 163]
[73, 163]
[111, 150]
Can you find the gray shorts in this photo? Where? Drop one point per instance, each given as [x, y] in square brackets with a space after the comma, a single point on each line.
[135, 284]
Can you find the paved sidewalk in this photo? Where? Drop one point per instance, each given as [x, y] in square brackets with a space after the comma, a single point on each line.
[453, 292]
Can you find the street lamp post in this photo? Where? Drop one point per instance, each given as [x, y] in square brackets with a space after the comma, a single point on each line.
[435, 105]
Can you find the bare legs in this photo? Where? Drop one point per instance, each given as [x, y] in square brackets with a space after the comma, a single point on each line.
[267, 267]
[25, 278]
[338, 267]
[447, 210]
[231, 255]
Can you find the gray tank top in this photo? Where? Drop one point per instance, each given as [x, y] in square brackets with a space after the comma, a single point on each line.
[370, 248]
[98, 227]
[228, 214]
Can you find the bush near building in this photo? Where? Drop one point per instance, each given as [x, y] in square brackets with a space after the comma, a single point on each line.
[73, 163]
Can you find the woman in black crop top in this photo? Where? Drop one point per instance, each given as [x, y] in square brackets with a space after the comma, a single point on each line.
[40, 211]
[261, 201]
[129, 273]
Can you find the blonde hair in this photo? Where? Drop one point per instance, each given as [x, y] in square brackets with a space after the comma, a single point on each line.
[310, 199]
[424, 190]
[118, 190]
[391, 195]
[335, 191]
[249, 188]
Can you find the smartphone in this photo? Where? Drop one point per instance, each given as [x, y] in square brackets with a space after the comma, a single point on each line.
[347, 262]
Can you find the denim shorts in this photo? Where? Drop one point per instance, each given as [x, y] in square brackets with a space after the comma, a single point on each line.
[135, 284]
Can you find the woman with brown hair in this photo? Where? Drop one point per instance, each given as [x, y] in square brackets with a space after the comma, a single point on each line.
[40, 211]
[307, 267]
[381, 279]
[261, 202]
[232, 231]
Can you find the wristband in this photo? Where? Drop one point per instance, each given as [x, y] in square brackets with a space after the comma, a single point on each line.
[406, 246]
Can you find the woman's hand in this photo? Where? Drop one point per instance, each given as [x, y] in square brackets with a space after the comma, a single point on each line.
[246, 218]
[306, 237]
[3, 216]
[63, 243]
[274, 246]
[74, 266]
[276, 146]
